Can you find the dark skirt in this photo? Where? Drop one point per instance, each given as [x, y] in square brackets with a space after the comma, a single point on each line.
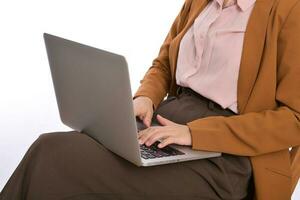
[71, 165]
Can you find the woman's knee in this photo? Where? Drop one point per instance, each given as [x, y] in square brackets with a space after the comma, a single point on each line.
[69, 148]
[56, 140]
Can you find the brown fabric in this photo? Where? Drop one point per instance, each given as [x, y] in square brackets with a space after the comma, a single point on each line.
[268, 95]
[74, 166]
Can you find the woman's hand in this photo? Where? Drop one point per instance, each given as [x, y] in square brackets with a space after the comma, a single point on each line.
[169, 133]
[143, 108]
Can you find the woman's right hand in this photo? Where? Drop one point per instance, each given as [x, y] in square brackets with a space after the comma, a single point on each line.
[143, 108]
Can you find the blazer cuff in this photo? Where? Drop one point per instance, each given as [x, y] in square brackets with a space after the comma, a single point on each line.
[203, 138]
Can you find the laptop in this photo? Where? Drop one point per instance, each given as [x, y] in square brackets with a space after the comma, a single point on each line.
[93, 94]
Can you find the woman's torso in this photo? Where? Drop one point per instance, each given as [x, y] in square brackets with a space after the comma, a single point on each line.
[210, 51]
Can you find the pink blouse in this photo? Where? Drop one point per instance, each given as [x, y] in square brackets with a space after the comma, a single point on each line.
[210, 52]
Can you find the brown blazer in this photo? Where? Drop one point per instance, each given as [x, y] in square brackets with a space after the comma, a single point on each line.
[268, 95]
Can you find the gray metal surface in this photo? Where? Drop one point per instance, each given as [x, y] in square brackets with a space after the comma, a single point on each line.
[93, 94]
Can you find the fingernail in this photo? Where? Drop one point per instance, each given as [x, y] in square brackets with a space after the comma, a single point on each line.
[140, 142]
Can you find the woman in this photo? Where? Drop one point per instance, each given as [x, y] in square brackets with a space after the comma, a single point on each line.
[231, 72]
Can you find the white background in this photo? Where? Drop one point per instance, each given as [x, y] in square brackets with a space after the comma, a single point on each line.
[133, 28]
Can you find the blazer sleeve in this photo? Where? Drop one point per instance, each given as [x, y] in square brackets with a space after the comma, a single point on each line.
[156, 82]
[257, 133]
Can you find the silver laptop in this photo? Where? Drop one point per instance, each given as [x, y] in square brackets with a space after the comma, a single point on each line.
[93, 93]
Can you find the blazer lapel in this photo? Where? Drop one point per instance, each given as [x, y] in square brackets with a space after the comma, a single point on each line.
[253, 46]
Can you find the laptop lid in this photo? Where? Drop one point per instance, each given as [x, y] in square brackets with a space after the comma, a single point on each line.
[93, 94]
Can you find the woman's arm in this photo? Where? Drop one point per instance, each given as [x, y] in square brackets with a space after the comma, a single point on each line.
[258, 133]
[156, 82]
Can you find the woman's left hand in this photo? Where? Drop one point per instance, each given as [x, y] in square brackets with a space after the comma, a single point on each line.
[168, 133]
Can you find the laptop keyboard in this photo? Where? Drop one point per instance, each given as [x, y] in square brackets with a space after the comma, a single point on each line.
[154, 151]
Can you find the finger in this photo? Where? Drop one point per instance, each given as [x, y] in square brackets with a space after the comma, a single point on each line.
[167, 141]
[141, 117]
[142, 132]
[138, 114]
[146, 134]
[139, 134]
[163, 121]
[160, 134]
[147, 119]
[136, 111]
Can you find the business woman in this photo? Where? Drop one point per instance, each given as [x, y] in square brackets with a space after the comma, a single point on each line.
[231, 70]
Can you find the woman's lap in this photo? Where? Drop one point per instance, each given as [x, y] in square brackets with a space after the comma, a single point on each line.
[74, 166]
